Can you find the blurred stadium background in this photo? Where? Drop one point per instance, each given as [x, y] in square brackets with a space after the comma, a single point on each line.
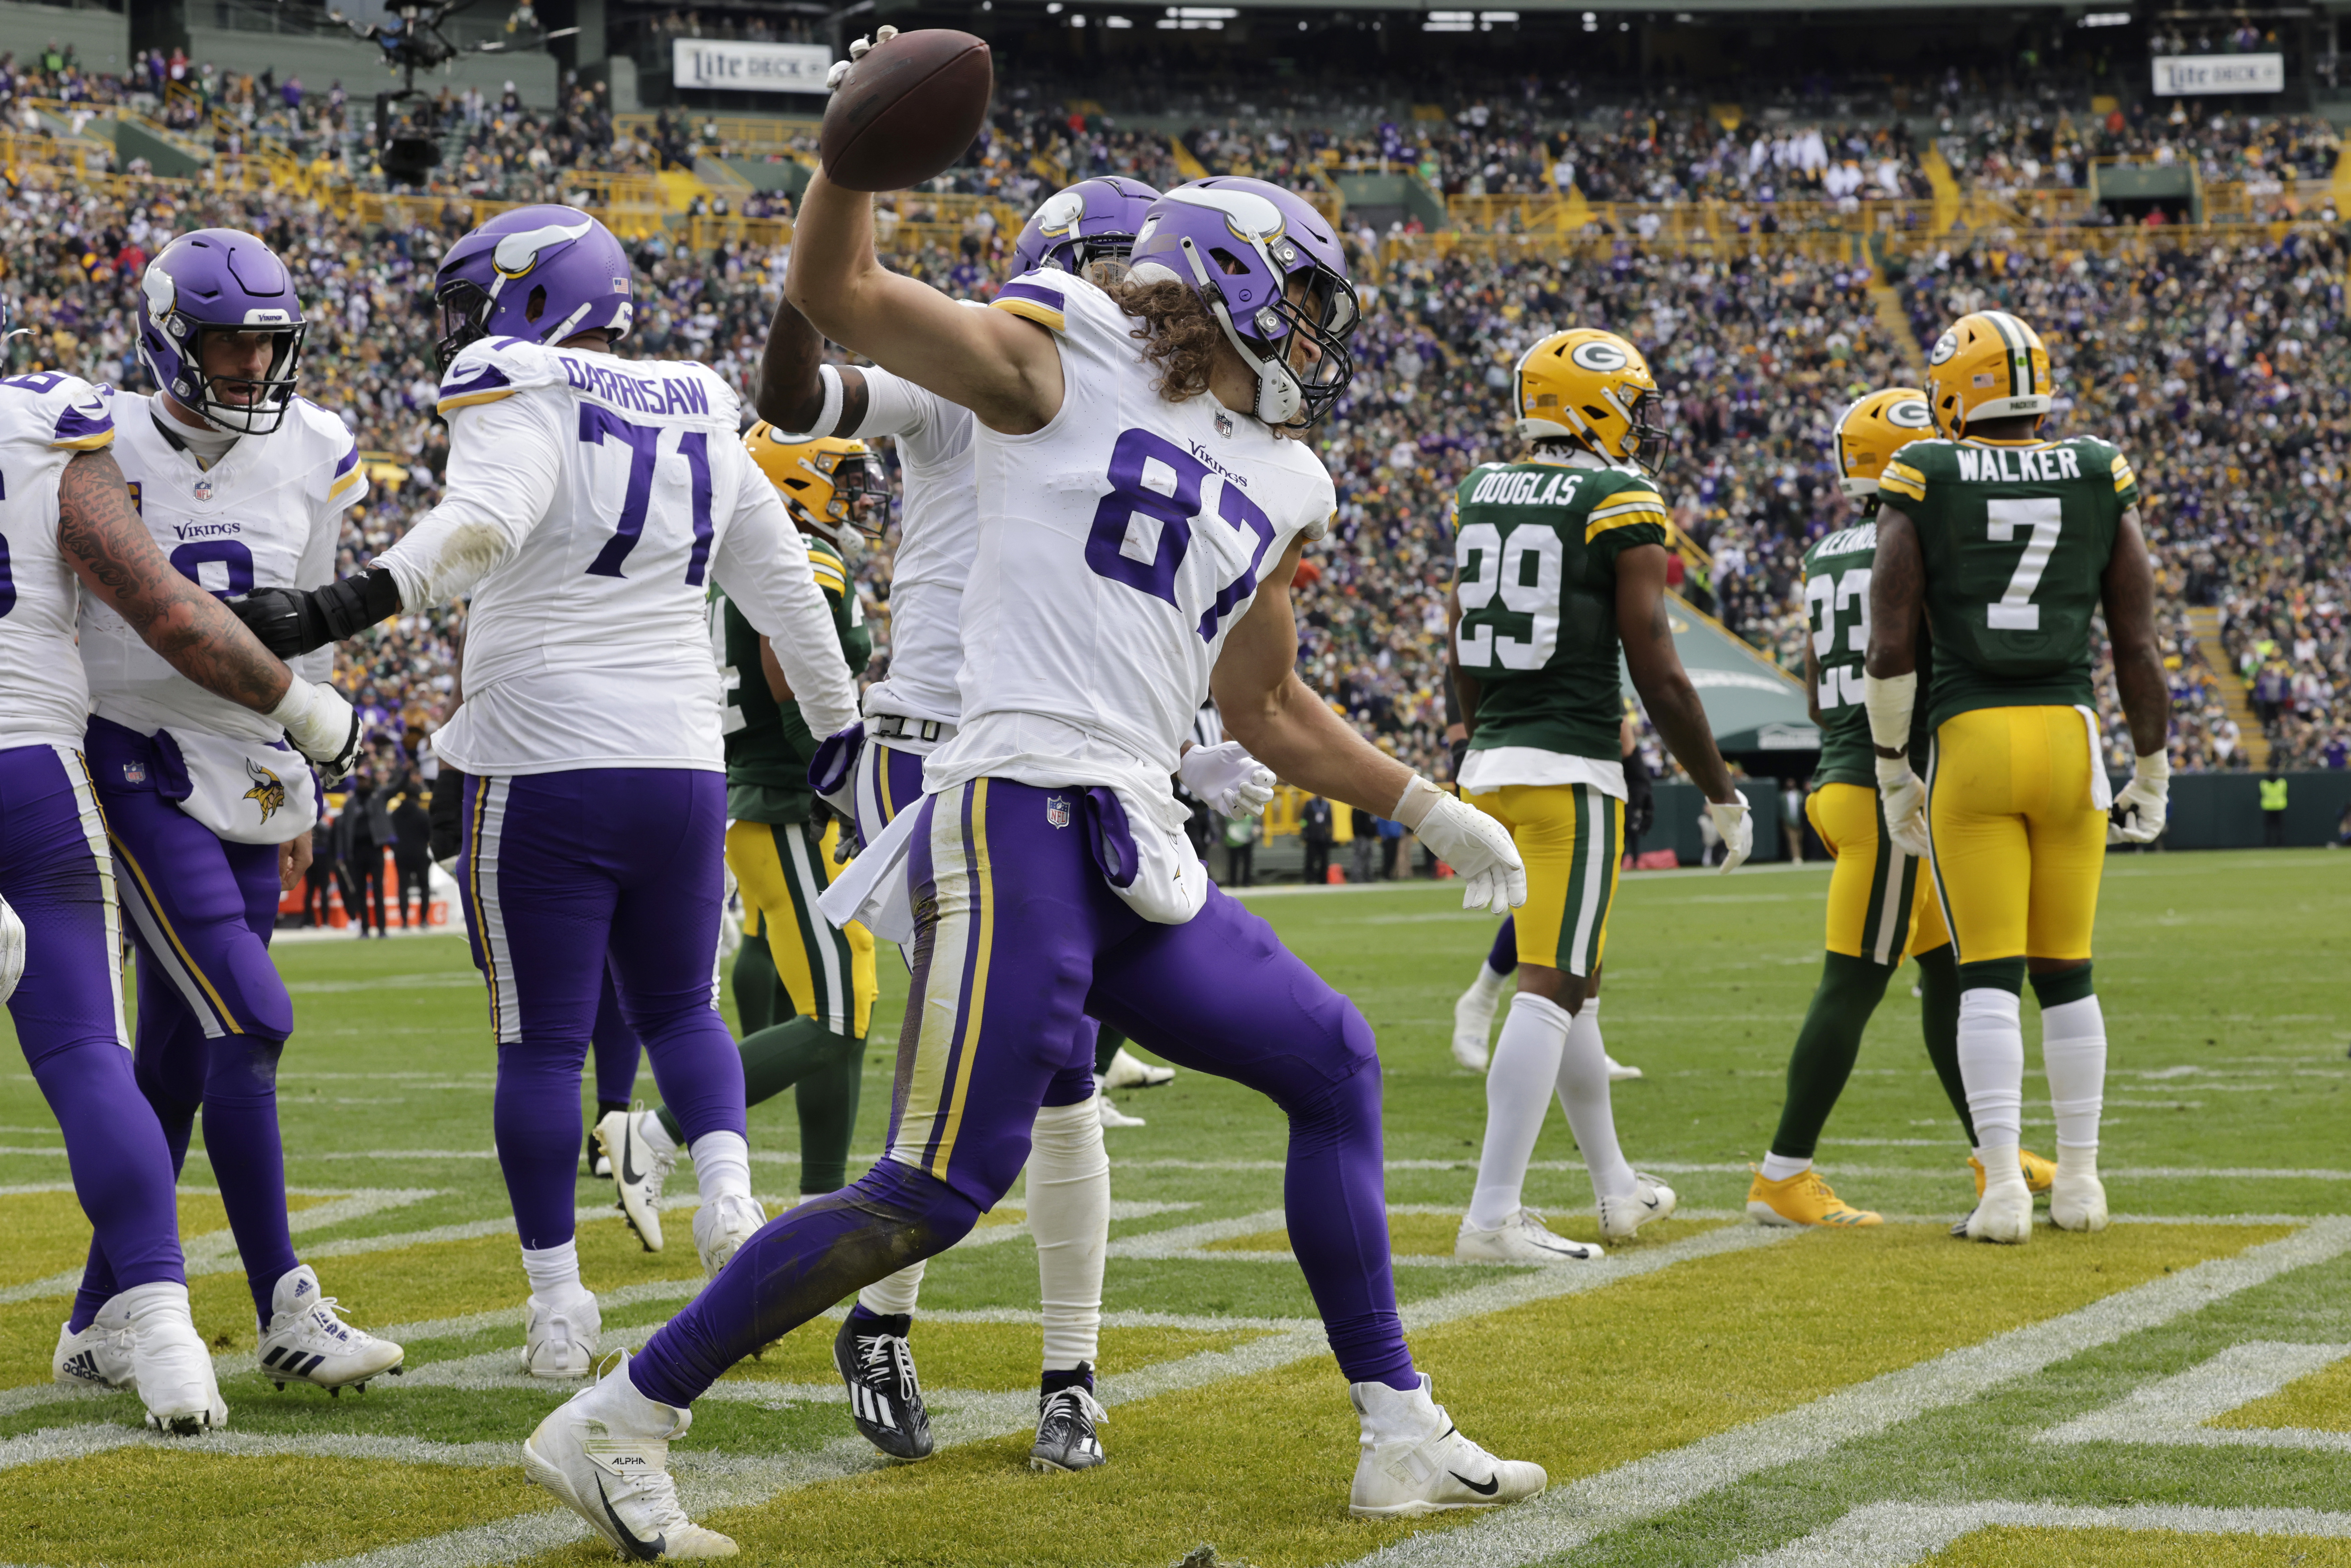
[1780, 205]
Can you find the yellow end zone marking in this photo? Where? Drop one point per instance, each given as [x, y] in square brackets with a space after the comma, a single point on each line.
[2008, 1545]
[48, 1231]
[2318, 1402]
[1999, 1534]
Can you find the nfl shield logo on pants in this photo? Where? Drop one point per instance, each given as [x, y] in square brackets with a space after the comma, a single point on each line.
[1056, 811]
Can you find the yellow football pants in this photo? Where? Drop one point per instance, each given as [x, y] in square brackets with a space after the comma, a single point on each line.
[2019, 843]
[1881, 901]
[1572, 837]
[780, 868]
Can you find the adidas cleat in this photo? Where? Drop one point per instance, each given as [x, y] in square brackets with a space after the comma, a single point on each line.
[308, 1339]
[1521, 1238]
[2004, 1215]
[1649, 1200]
[560, 1343]
[721, 1227]
[100, 1356]
[1415, 1461]
[170, 1365]
[1066, 1423]
[1473, 1026]
[1803, 1199]
[605, 1452]
[885, 1396]
[637, 1171]
[1618, 1072]
[2078, 1202]
[2038, 1172]
[1127, 1071]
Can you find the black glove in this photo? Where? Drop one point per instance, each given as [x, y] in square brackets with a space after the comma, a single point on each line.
[290, 621]
[1640, 800]
[1458, 750]
[447, 812]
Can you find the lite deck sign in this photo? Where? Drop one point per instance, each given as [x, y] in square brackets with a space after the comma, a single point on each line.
[2180, 75]
[749, 68]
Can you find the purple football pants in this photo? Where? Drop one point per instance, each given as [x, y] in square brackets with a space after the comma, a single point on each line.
[560, 870]
[213, 1015]
[1018, 937]
[617, 1048]
[56, 874]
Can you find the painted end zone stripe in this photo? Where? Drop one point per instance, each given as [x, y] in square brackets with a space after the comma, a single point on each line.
[1894, 1534]
[1566, 1516]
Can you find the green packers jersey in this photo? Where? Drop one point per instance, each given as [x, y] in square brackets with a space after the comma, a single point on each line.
[768, 742]
[1535, 549]
[1836, 601]
[2015, 537]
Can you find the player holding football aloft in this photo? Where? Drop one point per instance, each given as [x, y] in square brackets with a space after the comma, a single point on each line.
[782, 850]
[2006, 546]
[208, 810]
[591, 502]
[1561, 561]
[1881, 900]
[67, 515]
[1137, 491]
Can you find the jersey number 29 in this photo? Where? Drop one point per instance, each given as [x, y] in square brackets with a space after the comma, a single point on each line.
[1484, 565]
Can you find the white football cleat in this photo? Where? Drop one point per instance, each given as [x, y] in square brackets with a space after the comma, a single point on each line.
[2003, 1214]
[1414, 1460]
[559, 1340]
[1618, 1072]
[605, 1452]
[169, 1361]
[1649, 1200]
[2077, 1200]
[1521, 1238]
[308, 1339]
[638, 1172]
[1473, 1026]
[1130, 1072]
[722, 1225]
[100, 1356]
[1112, 1116]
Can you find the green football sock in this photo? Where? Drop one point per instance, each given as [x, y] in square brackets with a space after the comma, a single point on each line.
[1938, 1019]
[774, 1060]
[1106, 1046]
[828, 1097]
[1826, 1048]
[755, 985]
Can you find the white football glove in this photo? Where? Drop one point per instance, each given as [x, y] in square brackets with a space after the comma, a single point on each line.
[2144, 803]
[12, 950]
[1902, 795]
[1228, 778]
[1737, 826]
[857, 51]
[1476, 846]
[321, 726]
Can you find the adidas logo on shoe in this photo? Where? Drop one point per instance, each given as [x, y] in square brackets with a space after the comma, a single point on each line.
[83, 1364]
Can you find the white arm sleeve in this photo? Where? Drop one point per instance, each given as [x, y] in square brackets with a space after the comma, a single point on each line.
[762, 564]
[505, 458]
[894, 406]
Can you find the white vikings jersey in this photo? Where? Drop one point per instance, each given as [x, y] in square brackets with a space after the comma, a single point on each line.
[1118, 546]
[591, 502]
[267, 515]
[44, 421]
[938, 533]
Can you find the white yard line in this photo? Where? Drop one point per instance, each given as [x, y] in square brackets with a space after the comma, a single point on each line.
[2172, 1411]
[1568, 1516]
[1895, 1534]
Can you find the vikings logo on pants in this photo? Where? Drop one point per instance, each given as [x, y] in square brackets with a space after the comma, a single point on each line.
[269, 791]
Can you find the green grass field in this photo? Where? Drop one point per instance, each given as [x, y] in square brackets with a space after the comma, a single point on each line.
[2177, 1390]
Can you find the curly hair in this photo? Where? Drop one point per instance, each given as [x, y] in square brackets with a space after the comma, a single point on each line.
[1179, 338]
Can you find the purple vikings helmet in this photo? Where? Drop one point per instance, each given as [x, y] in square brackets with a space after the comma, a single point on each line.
[1271, 271]
[1091, 221]
[543, 273]
[220, 280]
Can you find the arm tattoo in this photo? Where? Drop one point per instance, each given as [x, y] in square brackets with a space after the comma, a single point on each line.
[109, 547]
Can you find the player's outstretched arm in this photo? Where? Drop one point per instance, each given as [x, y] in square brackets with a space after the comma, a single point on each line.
[791, 391]
[2128, 587]
[111, 551]
[1007, 371]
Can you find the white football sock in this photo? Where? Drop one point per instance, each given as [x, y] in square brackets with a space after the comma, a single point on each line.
[1518, 1096]
[894, 1295]
[655, 1136]
[554, 1270]
[1992, 1063]
[1582, 1086]
[2074, 1053]
[1780, 1168]
[1487, 986]
[1069, 1214]
[722, 1165]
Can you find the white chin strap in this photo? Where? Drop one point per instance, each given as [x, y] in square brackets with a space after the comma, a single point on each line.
[1278, 395]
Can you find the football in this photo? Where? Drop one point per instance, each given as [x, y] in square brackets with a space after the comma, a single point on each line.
[907, 111]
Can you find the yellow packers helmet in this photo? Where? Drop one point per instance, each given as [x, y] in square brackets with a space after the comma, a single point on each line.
[1872, 431]
[1989, 365]
[1594, 387]
[826, 481]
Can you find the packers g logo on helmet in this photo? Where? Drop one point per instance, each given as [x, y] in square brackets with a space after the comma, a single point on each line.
[1873, 430]
[1989, 365]
[1593, 387]
[831, 483]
